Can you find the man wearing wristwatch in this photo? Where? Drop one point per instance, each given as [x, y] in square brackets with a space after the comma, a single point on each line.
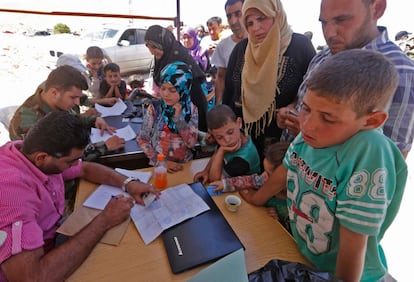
[32, 201]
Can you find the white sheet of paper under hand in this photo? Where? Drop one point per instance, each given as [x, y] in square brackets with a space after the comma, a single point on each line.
[175, 205]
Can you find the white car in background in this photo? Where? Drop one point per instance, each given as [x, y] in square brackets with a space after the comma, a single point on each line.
[123, 45]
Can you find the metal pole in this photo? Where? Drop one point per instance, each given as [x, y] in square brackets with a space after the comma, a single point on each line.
[177, 20]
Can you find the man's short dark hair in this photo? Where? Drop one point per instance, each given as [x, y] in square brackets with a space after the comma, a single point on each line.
[64, 78]
[211, 20]
[365, 78]
[56, 134]
[232, 2]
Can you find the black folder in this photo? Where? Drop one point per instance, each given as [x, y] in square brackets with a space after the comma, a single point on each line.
[201, 239]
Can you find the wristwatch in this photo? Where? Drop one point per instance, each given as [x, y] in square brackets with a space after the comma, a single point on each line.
[125, 183]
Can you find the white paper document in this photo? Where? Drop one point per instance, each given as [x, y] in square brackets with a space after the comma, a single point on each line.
[103, 194]
[175, 205]
[114, 110]
[143, 176]
[126, 132]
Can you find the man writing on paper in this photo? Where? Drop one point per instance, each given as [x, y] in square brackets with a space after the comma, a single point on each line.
[32, 200]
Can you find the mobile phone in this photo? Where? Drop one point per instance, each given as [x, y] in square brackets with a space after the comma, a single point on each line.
[210, 190]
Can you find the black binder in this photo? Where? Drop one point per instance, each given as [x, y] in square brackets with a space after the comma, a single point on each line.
[204, 238]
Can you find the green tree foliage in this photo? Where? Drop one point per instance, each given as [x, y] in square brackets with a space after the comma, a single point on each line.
[61, 28]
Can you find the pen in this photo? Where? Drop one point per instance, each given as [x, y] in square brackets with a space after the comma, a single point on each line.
[289, 112]
[293, 113]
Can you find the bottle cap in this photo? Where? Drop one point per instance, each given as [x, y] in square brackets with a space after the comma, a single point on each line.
[160, 157]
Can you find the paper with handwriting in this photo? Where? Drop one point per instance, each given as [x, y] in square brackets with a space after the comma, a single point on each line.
[175, 205]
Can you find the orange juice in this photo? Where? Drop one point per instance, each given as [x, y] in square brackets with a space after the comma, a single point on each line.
[160, 172]
[160, 180]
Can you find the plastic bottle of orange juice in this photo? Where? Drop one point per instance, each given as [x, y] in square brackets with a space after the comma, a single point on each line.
[160, 172]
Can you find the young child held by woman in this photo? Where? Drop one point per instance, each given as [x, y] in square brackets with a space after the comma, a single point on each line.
[170, 124]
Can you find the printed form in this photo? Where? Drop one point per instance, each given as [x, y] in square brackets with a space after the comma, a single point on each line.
[174, 205]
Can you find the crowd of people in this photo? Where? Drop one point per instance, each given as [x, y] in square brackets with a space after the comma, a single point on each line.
[320, 139]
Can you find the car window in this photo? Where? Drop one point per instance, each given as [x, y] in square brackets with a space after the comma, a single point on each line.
[141, 36]
[101, 34]
[130, 36]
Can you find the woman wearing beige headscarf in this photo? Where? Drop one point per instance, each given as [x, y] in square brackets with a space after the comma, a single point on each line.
[265, 70]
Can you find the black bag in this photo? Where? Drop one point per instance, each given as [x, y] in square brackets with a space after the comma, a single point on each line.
[281, 270]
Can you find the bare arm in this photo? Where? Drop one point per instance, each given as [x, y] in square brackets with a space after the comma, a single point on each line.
[351, 255]
[216, 168]
[203, 175]
[145, 135]
[273, 186]
[117, 92]
[58, 264]
[109, 92]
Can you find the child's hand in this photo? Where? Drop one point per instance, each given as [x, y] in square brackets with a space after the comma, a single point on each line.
[201, 176]
[108, 101]
[233, 148]
[265, 176]
[177, 107]
[210, 139]
[218, 184]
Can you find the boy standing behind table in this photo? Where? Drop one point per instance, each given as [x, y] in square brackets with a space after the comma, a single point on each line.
[344, 178]
[95, 63]
[113, 85]
[170, 125]
[236, 154]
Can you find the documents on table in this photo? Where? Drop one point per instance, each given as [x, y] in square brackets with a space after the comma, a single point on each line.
[175, 205]
[103, 194]
[143, 176]
[126, 132]
[115, 110]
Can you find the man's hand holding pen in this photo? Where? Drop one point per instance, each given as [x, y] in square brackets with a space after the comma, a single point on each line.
[138, 189]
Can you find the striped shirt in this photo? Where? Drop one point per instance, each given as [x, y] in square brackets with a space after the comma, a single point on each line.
[400, 123]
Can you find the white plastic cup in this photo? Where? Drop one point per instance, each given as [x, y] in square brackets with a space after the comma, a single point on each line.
[232, 203]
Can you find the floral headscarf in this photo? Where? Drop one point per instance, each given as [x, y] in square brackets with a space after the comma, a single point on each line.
[181, 77]
[174, 51]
